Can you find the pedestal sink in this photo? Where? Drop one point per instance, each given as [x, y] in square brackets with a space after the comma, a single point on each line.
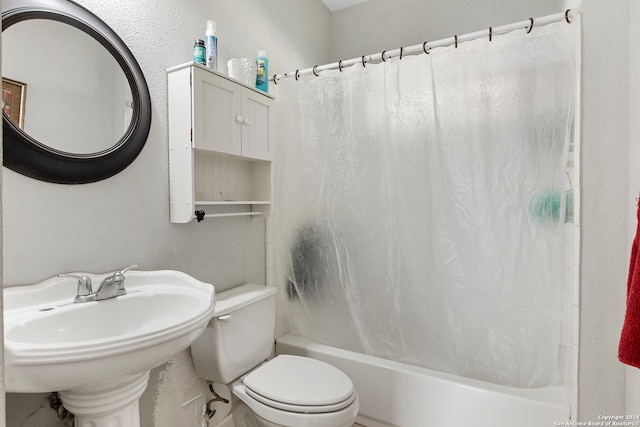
[98, 354]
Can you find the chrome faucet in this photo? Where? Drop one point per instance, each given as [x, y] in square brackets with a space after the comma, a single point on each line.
[110, 287]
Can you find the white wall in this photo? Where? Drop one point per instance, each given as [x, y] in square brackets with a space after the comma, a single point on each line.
[632, 392]
[378, 25]
[50, 228]
[605, 203]
[53, 228]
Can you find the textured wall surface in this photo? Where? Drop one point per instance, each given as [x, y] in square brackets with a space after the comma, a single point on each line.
[604, 254]
[632, 405]
[376, 25]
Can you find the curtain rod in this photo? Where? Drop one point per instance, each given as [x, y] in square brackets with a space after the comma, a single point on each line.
[427, 46]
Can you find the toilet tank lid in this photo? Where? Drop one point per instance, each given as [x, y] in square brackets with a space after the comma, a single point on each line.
[241, 296]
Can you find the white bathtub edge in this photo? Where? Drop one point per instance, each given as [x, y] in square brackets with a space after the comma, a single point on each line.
[487, 404]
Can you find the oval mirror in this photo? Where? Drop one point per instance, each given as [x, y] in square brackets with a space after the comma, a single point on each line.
[76, 106]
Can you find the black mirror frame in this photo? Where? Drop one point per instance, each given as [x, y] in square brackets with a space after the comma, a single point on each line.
[26, 155]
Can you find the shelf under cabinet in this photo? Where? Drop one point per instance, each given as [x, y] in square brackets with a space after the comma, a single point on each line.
[230, 208]
[231, 202]
[227, 215]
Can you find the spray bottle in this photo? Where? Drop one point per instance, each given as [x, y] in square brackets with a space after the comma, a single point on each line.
[262, 72]
[211, 45]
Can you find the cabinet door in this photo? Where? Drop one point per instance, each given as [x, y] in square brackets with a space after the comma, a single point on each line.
[256, 129]
[217, 104]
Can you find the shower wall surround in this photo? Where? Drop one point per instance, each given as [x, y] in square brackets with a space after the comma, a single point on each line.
[458, 253]
[608, 156]
[606, 169]
[597, 246]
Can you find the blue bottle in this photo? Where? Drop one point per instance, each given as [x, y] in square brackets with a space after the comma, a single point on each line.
[262, 71]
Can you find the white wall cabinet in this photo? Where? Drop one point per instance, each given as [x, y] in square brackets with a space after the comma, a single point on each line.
[220, 152]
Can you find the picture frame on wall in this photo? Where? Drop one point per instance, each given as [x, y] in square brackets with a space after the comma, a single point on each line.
[14, 94]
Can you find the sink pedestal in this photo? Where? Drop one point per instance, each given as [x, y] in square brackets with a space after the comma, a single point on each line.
[112, 403]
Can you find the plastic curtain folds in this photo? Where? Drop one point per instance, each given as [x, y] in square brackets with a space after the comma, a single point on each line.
[421, 205]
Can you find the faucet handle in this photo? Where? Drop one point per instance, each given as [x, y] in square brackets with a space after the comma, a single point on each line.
[84, 285]
[118, 278]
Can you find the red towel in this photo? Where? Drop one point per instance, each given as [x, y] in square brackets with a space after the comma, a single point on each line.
[629, 350]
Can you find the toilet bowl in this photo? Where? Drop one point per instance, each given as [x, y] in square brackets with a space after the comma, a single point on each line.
[285, 391]
[291, 390]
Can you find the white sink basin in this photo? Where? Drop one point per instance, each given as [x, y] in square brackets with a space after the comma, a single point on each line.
[52, 344]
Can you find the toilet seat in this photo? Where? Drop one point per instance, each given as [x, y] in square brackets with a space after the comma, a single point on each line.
[303, 409]
[301, 385]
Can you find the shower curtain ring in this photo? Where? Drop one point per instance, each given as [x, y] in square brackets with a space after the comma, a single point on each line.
[490, 34]
[340, 65]
[275, 80]
[314, 71]
[297, 74]
[401, 50]
[530, 26]
[382, 55]
[424, 47]
[566, 16]
[363, 62]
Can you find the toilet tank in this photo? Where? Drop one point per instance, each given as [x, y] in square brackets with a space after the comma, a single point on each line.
[239, 336]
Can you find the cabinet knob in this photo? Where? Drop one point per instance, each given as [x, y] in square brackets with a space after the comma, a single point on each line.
[239, 119]
[247, 121]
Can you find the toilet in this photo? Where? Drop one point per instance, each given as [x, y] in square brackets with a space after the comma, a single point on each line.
[285, 391]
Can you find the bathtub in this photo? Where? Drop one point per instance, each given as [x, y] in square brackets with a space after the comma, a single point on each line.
[400, 395]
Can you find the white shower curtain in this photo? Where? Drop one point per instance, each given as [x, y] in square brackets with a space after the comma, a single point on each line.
[421, 205]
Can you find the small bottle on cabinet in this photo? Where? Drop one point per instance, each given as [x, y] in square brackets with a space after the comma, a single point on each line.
[199, 52]
[262, 71]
